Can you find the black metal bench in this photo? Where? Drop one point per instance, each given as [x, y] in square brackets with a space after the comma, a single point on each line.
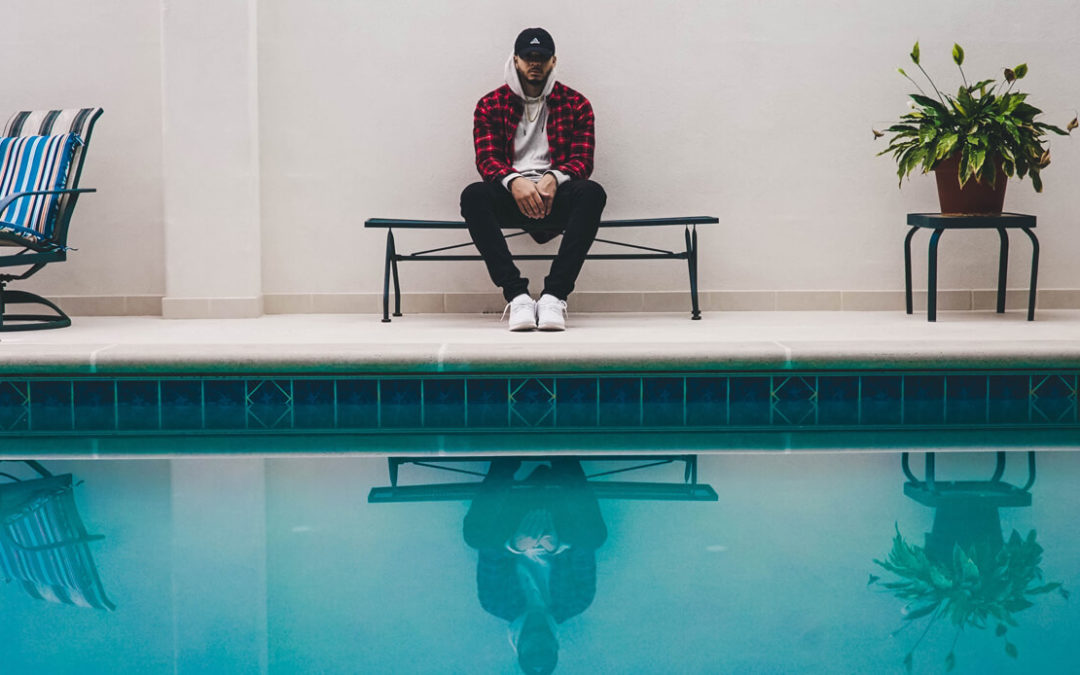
[390, 270]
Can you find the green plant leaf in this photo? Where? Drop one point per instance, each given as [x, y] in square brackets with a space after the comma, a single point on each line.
[915, 53]
[922, 611]
[946, 144]
[964, 173]
[1038, 590]
[1036, 181]
[1025, 112]
[977, 159]
[1051, 127]
[1011, 650]
[1017, 604]
[1020, 71]
[939, 579]
[989, 173]
[958, 54]
[929, 103]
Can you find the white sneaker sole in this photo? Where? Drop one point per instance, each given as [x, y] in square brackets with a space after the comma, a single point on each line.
[552, 327]
[522, 327]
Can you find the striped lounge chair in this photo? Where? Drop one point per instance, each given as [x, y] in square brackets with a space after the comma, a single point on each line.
[43, 543]
[41, 159]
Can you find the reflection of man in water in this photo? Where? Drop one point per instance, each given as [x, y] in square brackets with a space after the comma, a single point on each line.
[536, 541]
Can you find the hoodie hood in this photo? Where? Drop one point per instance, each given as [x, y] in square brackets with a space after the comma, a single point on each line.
[512, 81]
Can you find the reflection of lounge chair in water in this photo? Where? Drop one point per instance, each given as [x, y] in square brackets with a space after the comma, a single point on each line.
[43, 543]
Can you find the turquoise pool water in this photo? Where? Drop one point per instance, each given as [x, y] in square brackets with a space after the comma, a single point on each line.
[497, 522]
[256, 564]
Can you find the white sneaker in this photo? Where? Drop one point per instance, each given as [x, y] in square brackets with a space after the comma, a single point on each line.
[522, 313]
[551, 313]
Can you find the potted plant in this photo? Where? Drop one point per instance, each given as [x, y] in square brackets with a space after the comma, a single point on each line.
[972, 141]
[987, 582]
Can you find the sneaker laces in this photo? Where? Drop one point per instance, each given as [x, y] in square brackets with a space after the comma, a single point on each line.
[553, 301]
[511, 304]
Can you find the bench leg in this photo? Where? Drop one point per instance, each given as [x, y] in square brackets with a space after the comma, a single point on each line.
[931, 286]
[907, 269]
[386, 276]
[690, 234]
[1034, 271]
[394, 272]
[1003, 269]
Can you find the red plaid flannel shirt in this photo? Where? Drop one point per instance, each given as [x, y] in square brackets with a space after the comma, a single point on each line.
[570, 132]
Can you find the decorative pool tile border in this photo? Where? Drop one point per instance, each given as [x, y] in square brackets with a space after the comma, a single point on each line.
[831, 400]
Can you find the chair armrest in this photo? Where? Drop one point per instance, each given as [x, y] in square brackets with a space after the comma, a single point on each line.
[7, 201]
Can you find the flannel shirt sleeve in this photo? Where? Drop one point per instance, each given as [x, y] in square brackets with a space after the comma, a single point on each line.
[490, 159]
[579, 163]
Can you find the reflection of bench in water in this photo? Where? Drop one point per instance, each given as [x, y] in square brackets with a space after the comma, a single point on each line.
[687, 490]
[43, 543]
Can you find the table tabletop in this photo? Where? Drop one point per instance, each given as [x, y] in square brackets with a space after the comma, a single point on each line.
[952, 220]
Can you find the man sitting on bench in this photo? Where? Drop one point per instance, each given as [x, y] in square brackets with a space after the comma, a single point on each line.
[534, 144]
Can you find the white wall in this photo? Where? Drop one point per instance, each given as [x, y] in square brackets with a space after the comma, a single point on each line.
[67, 54]
[759, 113]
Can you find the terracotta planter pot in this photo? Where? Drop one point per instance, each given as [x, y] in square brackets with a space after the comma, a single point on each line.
[974, 197]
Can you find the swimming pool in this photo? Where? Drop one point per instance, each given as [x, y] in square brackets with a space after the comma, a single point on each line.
[283, 565]
[709, 521]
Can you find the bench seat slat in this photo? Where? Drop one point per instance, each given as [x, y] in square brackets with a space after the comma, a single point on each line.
[460, 225]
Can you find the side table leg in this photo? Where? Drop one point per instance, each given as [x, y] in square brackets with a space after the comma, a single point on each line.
[931, 286]
[907, 269]
[1003, 269]
[1034, 271]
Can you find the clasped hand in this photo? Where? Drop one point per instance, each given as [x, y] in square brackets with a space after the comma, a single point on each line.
[534, 199]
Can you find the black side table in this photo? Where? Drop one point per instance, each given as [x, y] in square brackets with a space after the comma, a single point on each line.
[939, 222]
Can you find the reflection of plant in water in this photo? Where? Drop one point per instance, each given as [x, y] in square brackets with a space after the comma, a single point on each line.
[974, 588]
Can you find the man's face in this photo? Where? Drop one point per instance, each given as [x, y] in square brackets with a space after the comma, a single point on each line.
[534, 68]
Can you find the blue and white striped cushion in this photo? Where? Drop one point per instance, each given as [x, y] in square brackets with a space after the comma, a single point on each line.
[34, 163]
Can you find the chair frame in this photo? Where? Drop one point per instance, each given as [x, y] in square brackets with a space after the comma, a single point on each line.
[39, 254]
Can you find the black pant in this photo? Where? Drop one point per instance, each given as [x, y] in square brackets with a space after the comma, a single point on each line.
[575, 213]
[563, 489]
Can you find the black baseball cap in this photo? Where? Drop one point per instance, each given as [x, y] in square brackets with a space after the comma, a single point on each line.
[534, 40]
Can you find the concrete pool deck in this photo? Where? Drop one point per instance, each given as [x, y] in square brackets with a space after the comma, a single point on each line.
[596, 342]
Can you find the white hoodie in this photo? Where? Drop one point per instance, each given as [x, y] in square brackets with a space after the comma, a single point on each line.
[532, 156]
